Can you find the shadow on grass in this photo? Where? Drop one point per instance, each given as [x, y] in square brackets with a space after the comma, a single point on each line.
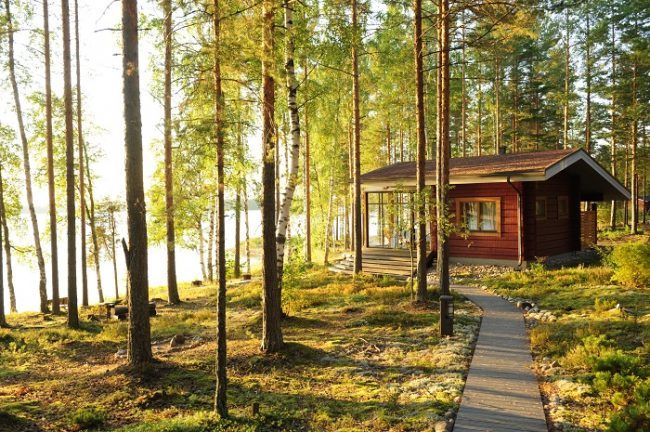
[12, 423]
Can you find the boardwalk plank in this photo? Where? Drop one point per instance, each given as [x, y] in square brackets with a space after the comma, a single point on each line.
[501, 392]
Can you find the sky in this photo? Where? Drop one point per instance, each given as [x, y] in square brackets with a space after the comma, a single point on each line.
[101, 83]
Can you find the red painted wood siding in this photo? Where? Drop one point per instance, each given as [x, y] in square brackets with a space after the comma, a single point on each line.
[503, 246]
[552, 235]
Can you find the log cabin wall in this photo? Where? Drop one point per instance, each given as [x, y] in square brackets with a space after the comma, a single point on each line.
[552, 231]
[499, 246]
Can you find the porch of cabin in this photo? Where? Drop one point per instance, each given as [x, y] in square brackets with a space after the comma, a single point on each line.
[388, 225]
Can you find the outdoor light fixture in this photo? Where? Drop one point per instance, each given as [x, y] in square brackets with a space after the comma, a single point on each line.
[446, 315]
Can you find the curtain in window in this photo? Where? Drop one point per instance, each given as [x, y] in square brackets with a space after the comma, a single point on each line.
[488, 216]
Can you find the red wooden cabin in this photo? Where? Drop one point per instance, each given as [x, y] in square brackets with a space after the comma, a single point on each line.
[507, 209]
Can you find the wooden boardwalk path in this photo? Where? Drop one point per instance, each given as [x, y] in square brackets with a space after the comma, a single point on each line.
[501, 393]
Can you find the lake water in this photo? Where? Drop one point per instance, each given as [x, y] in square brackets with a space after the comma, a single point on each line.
[26, 276]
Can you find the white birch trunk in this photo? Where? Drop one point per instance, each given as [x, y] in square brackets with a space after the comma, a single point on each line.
[292, 175]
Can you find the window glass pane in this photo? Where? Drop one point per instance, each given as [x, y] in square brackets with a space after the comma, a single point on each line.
[488, 216]
[373, 198]
[470, 215]
[374, 227]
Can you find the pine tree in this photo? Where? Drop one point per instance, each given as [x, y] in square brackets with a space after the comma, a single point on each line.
[139, 331]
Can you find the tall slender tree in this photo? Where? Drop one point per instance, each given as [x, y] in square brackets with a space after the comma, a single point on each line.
[4, 226]
[219, 100]
[567, 77]
[50, 160]
[588, 77]
[73, 313]
[358, 238]
[294, 120]
[82, 181]
[90, 215]
[634, 222]
[139, 332]
[307, 176]
[272, 307]
[3, 319]
[443, 152]
[172, 285]
[612, 215]
[42, 290]
[421, 292]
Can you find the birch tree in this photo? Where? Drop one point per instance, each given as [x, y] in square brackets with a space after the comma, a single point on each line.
[292, 102]
[42, 291]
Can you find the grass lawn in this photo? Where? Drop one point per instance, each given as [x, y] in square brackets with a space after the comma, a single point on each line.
[593, 362]
[359, 357]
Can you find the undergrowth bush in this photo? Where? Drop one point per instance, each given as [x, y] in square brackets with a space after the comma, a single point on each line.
[631, 263]
[87, 418]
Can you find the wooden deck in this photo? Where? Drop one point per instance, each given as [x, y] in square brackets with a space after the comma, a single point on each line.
[380, 261]
[501, 393]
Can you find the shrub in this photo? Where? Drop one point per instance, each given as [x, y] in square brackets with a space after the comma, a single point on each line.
[636, 415]
[631, 262]
[603, 304]
[87, 418]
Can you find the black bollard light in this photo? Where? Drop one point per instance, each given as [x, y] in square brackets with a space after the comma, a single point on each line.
[446, 315]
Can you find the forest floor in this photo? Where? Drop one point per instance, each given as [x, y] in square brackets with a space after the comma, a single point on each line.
[590, 340]
[359, 357]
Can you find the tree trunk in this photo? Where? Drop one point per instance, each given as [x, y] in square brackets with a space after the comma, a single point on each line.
[211, 242]
[82, 182]
[202, 249]
[588, 73]
[479, 132]
[388, 144]
[172, 284]
[277, 172]
[497, 106]
[237, 264]
[463, 100]
[220, 392]
[350, 178]
[272, 306]
[247, 235]
[421, 293]
[357, 142]
[515, 110]
[90, 213]
[567, 59]
[292, 174]
[612, 215]
[4, 226]
[139, 332]
[112, 222]
[73, 313]
[26, 163]
[633, 174]
[56, 309]
[3, 320]
[443, 154]
[401, 144]
[307, 187]
[4, 243]
[328, 224]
